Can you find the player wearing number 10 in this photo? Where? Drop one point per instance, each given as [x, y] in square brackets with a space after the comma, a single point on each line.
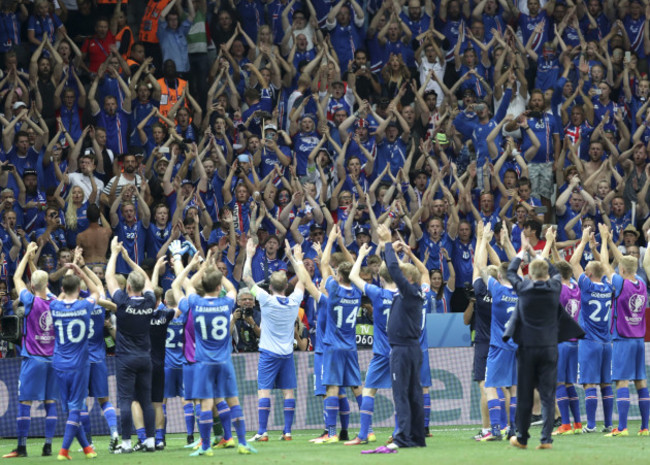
[595, 350]
[71, 317]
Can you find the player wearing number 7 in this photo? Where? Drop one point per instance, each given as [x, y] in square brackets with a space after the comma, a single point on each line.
[501, 365]
[595, 350]
[71, 318]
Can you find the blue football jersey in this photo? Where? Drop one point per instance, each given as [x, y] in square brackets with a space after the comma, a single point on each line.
[174, 344]
[504, 302]
[595, 308]
[382, 300]
[96, 344]
[71, 327]
[211, 317]
[341, 330]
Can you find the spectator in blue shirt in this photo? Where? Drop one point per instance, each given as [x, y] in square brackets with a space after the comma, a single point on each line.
[172, 34]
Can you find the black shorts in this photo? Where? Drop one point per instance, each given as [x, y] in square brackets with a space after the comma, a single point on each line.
[480, 359]
[157, 383]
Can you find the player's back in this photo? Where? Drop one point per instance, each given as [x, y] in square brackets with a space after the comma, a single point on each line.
[174, 344]
[189, 337]
[426, 309]
[279, 314]
[158, 333]
[630, 303]
[211, 317]
[382, 300]
[71, 329]
[504, 302]
[595, 308]
[340, 333]
[38, 332]
[96, 343]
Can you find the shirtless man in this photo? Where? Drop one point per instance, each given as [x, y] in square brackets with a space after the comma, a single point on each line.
[95, 240]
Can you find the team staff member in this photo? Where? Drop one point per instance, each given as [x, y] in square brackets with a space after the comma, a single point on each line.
[403, 328]
[536, 324]
[135, 309]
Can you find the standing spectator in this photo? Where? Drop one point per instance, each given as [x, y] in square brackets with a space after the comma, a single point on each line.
[98, 48]
[114, 118]
[345, 30]
[172, 34]
[43, 24]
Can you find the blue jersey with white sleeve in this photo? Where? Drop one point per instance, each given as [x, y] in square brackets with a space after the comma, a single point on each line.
[71, 324]
[382, 300]
[504, 302]
[174, 343]
[96, 343]
[341, 330]
[211, 316]
[595, 308]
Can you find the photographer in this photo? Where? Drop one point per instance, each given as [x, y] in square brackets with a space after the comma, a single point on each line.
[245, 323]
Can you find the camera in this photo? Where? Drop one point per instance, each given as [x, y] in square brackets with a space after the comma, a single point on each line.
[247, 312]
[354, 67]
[468, 290]
[183, 147]
[238, 171]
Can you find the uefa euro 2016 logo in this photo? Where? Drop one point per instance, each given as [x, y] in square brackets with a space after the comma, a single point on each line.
[45, 322]
[636, 303]
[572, 307]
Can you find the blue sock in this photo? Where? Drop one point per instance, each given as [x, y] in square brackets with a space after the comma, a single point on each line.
[332, 410]
[574, 403]
[427, 409]
[503, 418]
[22, 423]
[81, 437]
[71, 428]
[240, 424]
[359, 400]
[263, 411]
[84, 420]
[289, 411]
[189, 418]
[141, 433]
[623, 405]
[494, 407]
[591, 403]
[205, 426]
[562, 398]
[164, 429]
[110, 417]
[344, 412]
[513, 409]
[160, 434]
[367, 409]
[226, 419]
[607, 394]
[50, 421]
[644, 406]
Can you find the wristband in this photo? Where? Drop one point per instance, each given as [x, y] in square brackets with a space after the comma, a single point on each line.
[177, 257]
[526, 128]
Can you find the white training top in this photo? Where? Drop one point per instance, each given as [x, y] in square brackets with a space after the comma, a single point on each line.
[278, 318]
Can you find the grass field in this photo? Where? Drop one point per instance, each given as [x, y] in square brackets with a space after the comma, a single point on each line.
[447, 446]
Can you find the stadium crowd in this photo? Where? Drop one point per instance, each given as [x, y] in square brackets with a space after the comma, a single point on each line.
[238, 131]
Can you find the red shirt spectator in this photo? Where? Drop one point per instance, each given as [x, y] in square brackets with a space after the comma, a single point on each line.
[98, 48]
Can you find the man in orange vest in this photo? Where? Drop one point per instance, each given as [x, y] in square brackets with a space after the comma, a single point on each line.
[155, 10]
[171, 87]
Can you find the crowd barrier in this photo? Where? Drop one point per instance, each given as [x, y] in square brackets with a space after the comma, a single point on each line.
[454, 396]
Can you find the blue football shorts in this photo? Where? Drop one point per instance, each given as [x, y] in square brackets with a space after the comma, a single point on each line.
[174, 383]
[567, 362]
[341, 368]
[37, 380]
[628, 359]
[214, 380]
[594, 362]
[501, 368]
[276, 371]
[98, 380]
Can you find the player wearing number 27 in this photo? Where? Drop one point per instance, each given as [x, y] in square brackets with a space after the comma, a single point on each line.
[71, 317]
[595, 350]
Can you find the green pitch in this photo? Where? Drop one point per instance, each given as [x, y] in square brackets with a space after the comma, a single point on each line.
[447, 446]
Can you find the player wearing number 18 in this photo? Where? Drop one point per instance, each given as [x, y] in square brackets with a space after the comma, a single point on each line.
[71, 317]
[595, 350]
[214, 377]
